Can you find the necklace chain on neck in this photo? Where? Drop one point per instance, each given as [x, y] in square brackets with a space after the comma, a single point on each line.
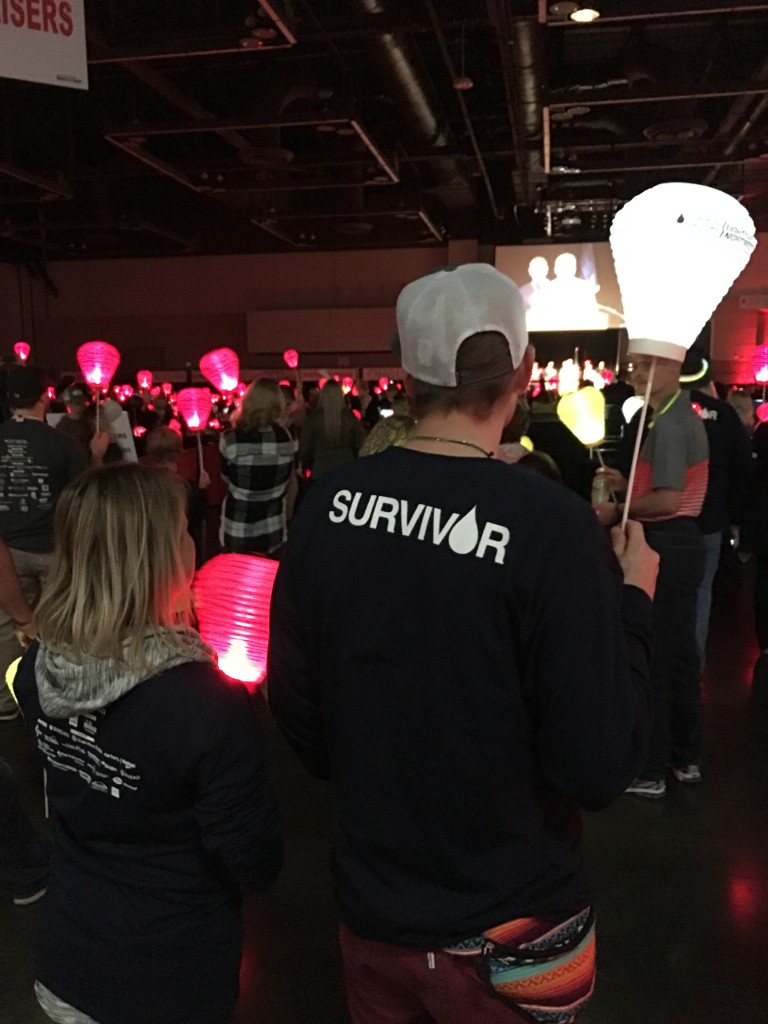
[451, 440]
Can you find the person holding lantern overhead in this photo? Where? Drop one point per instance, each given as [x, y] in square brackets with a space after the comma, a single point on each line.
[155, 768]
[36, 463]
[499, 683]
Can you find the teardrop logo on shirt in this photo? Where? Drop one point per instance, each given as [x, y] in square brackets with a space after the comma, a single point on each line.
[422, 522]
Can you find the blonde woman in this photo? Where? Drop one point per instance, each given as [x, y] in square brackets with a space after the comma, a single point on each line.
[155, 769]
[258, 465]
[331, 434]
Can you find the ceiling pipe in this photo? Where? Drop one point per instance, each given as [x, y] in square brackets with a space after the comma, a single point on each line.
[412, 96]
[464, 111]
[738, 110]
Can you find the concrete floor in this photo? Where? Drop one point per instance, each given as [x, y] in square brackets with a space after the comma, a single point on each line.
[683, 883]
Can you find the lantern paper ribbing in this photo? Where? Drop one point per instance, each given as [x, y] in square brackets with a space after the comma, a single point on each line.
[98, 361]
[678, 248]
[195, 406]
[291, 358]
[583, 412]
[144, 379]
[232, 595]
[21, 350]
[222, 368]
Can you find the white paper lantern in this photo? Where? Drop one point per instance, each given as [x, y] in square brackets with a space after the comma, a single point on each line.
[678, 248]
[632, 405]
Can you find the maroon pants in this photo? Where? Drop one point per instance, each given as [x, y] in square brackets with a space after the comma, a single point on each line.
[393, 985]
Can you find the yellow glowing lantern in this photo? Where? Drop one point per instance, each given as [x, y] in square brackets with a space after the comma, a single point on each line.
[583, 412]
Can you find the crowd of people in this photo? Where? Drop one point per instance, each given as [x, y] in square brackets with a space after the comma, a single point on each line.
[461, 725]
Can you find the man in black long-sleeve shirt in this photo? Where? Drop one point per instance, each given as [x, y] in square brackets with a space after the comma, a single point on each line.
[499, 682]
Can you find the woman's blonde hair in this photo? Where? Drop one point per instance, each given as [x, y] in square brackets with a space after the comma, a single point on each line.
[118, 570]
[263, 403]
[333, 409]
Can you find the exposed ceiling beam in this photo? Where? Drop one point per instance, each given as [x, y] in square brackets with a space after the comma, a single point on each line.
[566, 173]
[662, 14]
[616, 98]
[53, 186]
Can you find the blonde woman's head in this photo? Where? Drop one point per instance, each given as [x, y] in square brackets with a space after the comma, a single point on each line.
[263, 403]
[122, 567]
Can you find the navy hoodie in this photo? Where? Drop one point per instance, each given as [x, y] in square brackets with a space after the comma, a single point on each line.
[493, 678]
[161, 809]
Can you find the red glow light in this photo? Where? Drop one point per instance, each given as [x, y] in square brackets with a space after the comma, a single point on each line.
[322, 381]
[98, 361]
[762, 412]
[195, 406]
[167, 388]
[232, 594]
[377, 390]
[760, 364]
[384, 383]
[697, 408]
[144, 379]
[21, 350]
[214, 424]
[139, 431]
[357, 414]
[175, 426]
[52, 393]
[222, 368]
[291, 358]
[284, 383]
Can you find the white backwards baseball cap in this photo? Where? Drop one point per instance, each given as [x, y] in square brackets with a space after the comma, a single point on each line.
[438, 312]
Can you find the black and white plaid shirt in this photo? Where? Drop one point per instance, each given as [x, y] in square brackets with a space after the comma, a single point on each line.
[256, 466]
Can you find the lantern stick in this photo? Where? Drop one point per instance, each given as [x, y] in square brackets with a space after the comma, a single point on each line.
[96, 396]
[638, 441]
[200, 450]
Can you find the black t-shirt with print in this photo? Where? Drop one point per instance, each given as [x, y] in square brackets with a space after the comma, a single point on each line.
[494, 679]
[36, 464]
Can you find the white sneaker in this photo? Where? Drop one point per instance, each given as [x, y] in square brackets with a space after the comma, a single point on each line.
[652, 789]
[690, 773]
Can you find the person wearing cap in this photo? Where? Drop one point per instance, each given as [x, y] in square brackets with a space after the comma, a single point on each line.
[36, 464]
[465, 718]
[668, 496]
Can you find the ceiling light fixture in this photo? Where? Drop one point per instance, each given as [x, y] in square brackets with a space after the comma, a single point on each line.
[563, 9]
[584, 15]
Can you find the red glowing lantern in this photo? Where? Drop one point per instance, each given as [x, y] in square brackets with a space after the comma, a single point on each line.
[175, 426]
[98, 361]
[232, 596]
[222, 368]
[697, 408]
[195, 406]
[241, 389]
[156, 391]
[284, 383]
[357, 414]
[144, 379]
[52, 394]
[347, 383]
[760, 364]
[126, 392]
[139, 431]
[762, 412]
[377, 390]
[21, 350]
[214, 424]
[167, 388]
[322, 381]
[384, 383]
[291, 357]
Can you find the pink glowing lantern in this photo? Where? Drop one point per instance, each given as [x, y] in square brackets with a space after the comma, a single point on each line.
[357, 414]
[284, 383]
[377, 390]
[232, 596]
[98, 361]
[139, 431]
[175, 426]
[241, 389]
[222, 368]
[52, 394]
[195, 406]
[762, 412]
[322, 381]
[384, 383]
[697, 408]
[21, 350]
[167, 388]
[156, 391]
[144, 379]
[126, 392]
[291, 358]
[760, 364]
[347, 383]
[214, 424]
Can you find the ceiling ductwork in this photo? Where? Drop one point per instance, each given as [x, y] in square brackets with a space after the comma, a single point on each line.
[413, 95]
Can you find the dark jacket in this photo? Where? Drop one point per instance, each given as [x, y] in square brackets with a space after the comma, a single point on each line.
[162, 809]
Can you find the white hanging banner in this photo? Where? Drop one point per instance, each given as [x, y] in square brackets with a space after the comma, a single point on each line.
[44, 41]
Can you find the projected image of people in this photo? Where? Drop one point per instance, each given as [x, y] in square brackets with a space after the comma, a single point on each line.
[566, 301]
